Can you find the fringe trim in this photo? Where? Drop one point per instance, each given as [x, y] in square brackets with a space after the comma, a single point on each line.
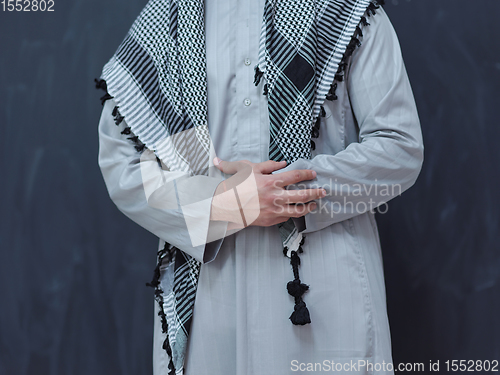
[344, 63]
[315, 129]
[163, 255]
[138, 145]
[353, 44]
[101, 84]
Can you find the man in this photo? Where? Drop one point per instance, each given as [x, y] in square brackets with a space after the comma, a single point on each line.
[221, 88]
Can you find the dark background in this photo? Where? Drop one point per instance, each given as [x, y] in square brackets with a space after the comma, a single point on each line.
[73, 268]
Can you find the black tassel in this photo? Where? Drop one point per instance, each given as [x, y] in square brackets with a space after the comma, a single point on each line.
[163, 255]
[300, 315]
[315, 129]
[343, 65]
[138, 145]
[266, 89]
[105, 97]
[119, 119]
[296, 289]
[372, 9]
[258, 75]
[332, 93]
[126, 131]
[359, 32]
[140, 148]
[100, 84]
[171, 368]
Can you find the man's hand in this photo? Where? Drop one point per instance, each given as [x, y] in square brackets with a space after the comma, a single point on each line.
[254, 196]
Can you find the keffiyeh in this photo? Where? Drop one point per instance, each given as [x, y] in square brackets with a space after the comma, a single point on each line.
[158, 79]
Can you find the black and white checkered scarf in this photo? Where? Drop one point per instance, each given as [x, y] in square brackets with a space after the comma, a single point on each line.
[158, 79]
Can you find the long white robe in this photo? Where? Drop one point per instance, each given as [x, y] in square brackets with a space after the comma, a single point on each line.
[369, 150]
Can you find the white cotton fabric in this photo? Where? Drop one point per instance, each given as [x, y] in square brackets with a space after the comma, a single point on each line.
[370, 137]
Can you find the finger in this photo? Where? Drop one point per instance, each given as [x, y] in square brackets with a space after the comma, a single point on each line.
[268, 167]
[294, 177]
[302, 196]
[229, 167]
[298, 210]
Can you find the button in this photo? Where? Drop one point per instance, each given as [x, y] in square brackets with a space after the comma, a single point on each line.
[247, 102]
[248, 62]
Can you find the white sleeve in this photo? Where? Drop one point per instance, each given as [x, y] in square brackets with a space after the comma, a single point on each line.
[186, 226]
[388, 157]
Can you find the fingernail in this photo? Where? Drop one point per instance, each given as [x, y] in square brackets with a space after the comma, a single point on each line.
[323, 193]
[217, 161]
[314, 174]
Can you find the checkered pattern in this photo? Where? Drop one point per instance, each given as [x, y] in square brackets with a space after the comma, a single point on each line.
[186, 272]
[302, 44]
[158, 79]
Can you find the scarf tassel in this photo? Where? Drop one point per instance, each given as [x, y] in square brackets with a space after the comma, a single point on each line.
[101, 84]
[353, 44]
[332, 93]
[163, 254]
[266, 89]
[300, 314]
[139, 146]
[258, 75]
[315, 129]
[118, 118]
[371, 11]
[105, 97]
[126, 131]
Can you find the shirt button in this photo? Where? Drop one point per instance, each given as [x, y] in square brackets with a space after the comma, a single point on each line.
[248, 62]
[247, 102]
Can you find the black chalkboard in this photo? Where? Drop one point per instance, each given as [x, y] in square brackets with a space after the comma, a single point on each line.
[441, 239]
[73, 268]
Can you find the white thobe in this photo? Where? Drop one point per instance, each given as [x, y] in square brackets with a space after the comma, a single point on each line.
[369, 150]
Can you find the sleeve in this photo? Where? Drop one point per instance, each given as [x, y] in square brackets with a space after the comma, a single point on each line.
[389, 154]
[138, 185]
